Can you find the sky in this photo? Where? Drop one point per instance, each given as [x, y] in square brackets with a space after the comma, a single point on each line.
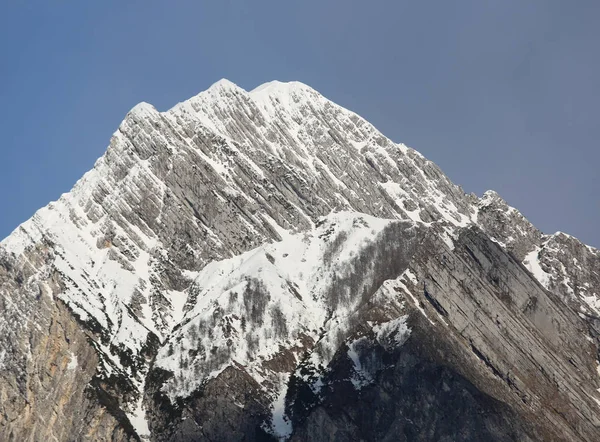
[502, 95]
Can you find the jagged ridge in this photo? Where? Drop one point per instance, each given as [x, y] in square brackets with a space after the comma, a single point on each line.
[221, 174]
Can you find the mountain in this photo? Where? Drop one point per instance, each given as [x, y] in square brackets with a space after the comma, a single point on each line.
[267, 265]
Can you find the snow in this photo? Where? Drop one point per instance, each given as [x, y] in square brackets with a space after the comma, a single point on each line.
[398, 194]
[593, 250]
[331, 175]
[72, 365]
[143, 109]
[392, 334]
[532, 263]
[411, 276]
[178, 301]
[100, 280]
[566, 235]
[137, 417]
[593, 302]
[280, 90]
[296, 275]
[223, 83]
[489, 197]
[281, 426]
[408, 277]
[361, 377]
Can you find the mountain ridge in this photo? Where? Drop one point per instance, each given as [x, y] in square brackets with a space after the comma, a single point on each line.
[228, 173]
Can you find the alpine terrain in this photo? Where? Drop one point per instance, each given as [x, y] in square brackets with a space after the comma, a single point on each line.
[266, 265]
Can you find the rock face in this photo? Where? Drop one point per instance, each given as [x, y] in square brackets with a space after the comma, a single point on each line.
[266, 265]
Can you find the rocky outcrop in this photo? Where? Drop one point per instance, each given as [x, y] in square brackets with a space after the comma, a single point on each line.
[403, 404]
[255, 265]
[487, 342]
[48, 372]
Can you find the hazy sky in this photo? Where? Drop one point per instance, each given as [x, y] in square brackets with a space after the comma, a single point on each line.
[501, 94]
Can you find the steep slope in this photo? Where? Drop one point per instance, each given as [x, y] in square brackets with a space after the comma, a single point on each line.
[237, 266]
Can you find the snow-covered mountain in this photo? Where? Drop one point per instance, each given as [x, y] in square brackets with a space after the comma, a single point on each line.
[266, 264]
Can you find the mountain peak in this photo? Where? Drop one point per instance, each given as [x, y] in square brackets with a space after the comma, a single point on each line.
[143, 108]
[285, 93]
[492, 198]
[223, 84]
[277, 85]
[275, 247]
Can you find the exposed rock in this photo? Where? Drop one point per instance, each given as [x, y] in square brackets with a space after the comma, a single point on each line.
[266, 264]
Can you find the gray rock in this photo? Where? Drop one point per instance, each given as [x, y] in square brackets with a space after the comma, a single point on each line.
[170, 275]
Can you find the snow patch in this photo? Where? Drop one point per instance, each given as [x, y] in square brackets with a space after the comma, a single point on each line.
[281, 426]
[72, 365]
[265, 299]
[532, 263]
[392, 334]
[137, 417]
[361, 377]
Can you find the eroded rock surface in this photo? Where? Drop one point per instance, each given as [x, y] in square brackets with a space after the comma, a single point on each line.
[267, 265]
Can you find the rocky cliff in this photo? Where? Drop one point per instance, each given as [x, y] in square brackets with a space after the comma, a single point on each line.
[266, 265]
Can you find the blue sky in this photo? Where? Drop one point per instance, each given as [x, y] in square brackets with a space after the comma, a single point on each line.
[501, 95]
